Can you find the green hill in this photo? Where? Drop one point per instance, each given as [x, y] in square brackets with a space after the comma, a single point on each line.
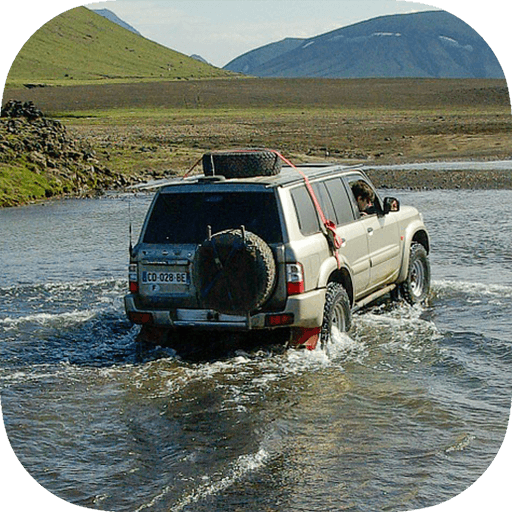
[80, 46]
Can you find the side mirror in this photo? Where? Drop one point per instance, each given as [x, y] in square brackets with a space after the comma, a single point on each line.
[391, 204]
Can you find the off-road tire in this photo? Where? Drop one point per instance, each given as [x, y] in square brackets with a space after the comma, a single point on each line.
[337, 312]
[234, 272]
[416, 287]
[241, 164]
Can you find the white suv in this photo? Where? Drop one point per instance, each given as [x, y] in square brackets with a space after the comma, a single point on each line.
[251, 245]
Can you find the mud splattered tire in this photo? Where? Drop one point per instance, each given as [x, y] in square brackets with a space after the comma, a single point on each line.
[337, 312]
[241, 164]
[416, 288]
[234, 272]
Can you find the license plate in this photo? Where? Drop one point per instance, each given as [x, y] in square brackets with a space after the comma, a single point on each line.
[165, 277]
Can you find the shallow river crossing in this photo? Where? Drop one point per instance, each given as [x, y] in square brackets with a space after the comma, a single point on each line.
[404, 412]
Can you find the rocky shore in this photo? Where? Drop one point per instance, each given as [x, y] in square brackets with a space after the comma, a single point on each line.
[39, 160]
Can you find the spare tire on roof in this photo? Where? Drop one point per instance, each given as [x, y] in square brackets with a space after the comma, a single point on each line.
[234, 272]
[244, 163]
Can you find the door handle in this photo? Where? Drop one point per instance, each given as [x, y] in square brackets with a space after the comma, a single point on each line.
[370, 230]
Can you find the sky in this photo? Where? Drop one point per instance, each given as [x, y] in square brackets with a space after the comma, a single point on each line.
[221, 30]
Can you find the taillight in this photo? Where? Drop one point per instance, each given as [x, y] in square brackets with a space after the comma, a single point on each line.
[132, 278]
[275, 320]
[294, 278]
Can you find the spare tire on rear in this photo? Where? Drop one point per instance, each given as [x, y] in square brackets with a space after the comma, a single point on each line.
[244, 163]
[234, 272]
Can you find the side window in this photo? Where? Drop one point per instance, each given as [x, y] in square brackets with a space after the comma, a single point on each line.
[325, 201]
[341, 201]
[369, 203]
[306, 211]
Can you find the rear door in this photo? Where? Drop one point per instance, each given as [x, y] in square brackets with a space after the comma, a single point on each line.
[181, 217]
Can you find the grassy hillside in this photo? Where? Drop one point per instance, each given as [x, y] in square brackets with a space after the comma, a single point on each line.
[80, 46]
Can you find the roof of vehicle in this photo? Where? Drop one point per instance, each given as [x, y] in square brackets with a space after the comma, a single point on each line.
[288, 176]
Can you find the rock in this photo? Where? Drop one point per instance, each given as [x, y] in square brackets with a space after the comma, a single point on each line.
[33, 86]
[37, 158]
[14, 108]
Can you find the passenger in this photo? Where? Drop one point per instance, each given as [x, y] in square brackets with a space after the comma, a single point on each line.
[365, 196]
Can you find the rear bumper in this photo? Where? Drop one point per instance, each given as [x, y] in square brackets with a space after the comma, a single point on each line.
[304, 310]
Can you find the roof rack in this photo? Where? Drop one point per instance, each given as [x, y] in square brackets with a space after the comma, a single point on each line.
[287, 176]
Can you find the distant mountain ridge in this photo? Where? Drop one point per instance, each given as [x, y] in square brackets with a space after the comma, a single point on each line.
[112, 16]
[431, 44]
[81, 46]
[199, 58]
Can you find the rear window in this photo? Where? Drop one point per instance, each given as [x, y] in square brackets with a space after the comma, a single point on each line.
[306, 211]
[183, 218]
[341, 201]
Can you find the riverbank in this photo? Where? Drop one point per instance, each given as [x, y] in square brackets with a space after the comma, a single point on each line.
[114, 136]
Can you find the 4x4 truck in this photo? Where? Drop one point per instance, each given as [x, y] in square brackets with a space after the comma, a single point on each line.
[255, 244]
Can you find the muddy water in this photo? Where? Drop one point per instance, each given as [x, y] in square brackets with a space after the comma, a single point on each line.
[404, 412]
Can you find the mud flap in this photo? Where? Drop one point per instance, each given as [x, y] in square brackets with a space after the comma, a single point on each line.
[303, 337]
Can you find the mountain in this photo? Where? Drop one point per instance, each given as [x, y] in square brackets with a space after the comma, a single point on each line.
[432, 44]
[115, 19]
[199, 58]
[81, 46]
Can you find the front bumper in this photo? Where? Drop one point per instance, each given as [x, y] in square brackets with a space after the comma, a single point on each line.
[304, 310]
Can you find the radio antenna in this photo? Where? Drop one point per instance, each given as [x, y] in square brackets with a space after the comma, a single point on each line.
[130, 224]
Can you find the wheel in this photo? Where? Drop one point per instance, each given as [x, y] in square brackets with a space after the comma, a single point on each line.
[242, 163]
[416, 288]
[337, 312]
[234, 272]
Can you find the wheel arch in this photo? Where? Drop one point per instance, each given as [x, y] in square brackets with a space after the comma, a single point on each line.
[332, 272]
[342, 276]
[420, 236]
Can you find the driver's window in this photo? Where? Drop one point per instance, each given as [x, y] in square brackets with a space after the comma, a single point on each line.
[365, 197]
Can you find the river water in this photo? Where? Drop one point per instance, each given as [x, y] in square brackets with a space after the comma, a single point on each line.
[404, 412]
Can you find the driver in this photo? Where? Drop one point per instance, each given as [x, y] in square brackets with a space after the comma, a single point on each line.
[365, 196]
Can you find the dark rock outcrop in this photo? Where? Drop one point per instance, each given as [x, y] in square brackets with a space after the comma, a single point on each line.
[30, 141]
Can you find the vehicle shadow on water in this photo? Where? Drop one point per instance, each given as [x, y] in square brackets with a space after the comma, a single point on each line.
[198, 346]
[105, 339]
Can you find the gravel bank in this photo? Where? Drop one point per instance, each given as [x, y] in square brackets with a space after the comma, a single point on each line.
[428, 179]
